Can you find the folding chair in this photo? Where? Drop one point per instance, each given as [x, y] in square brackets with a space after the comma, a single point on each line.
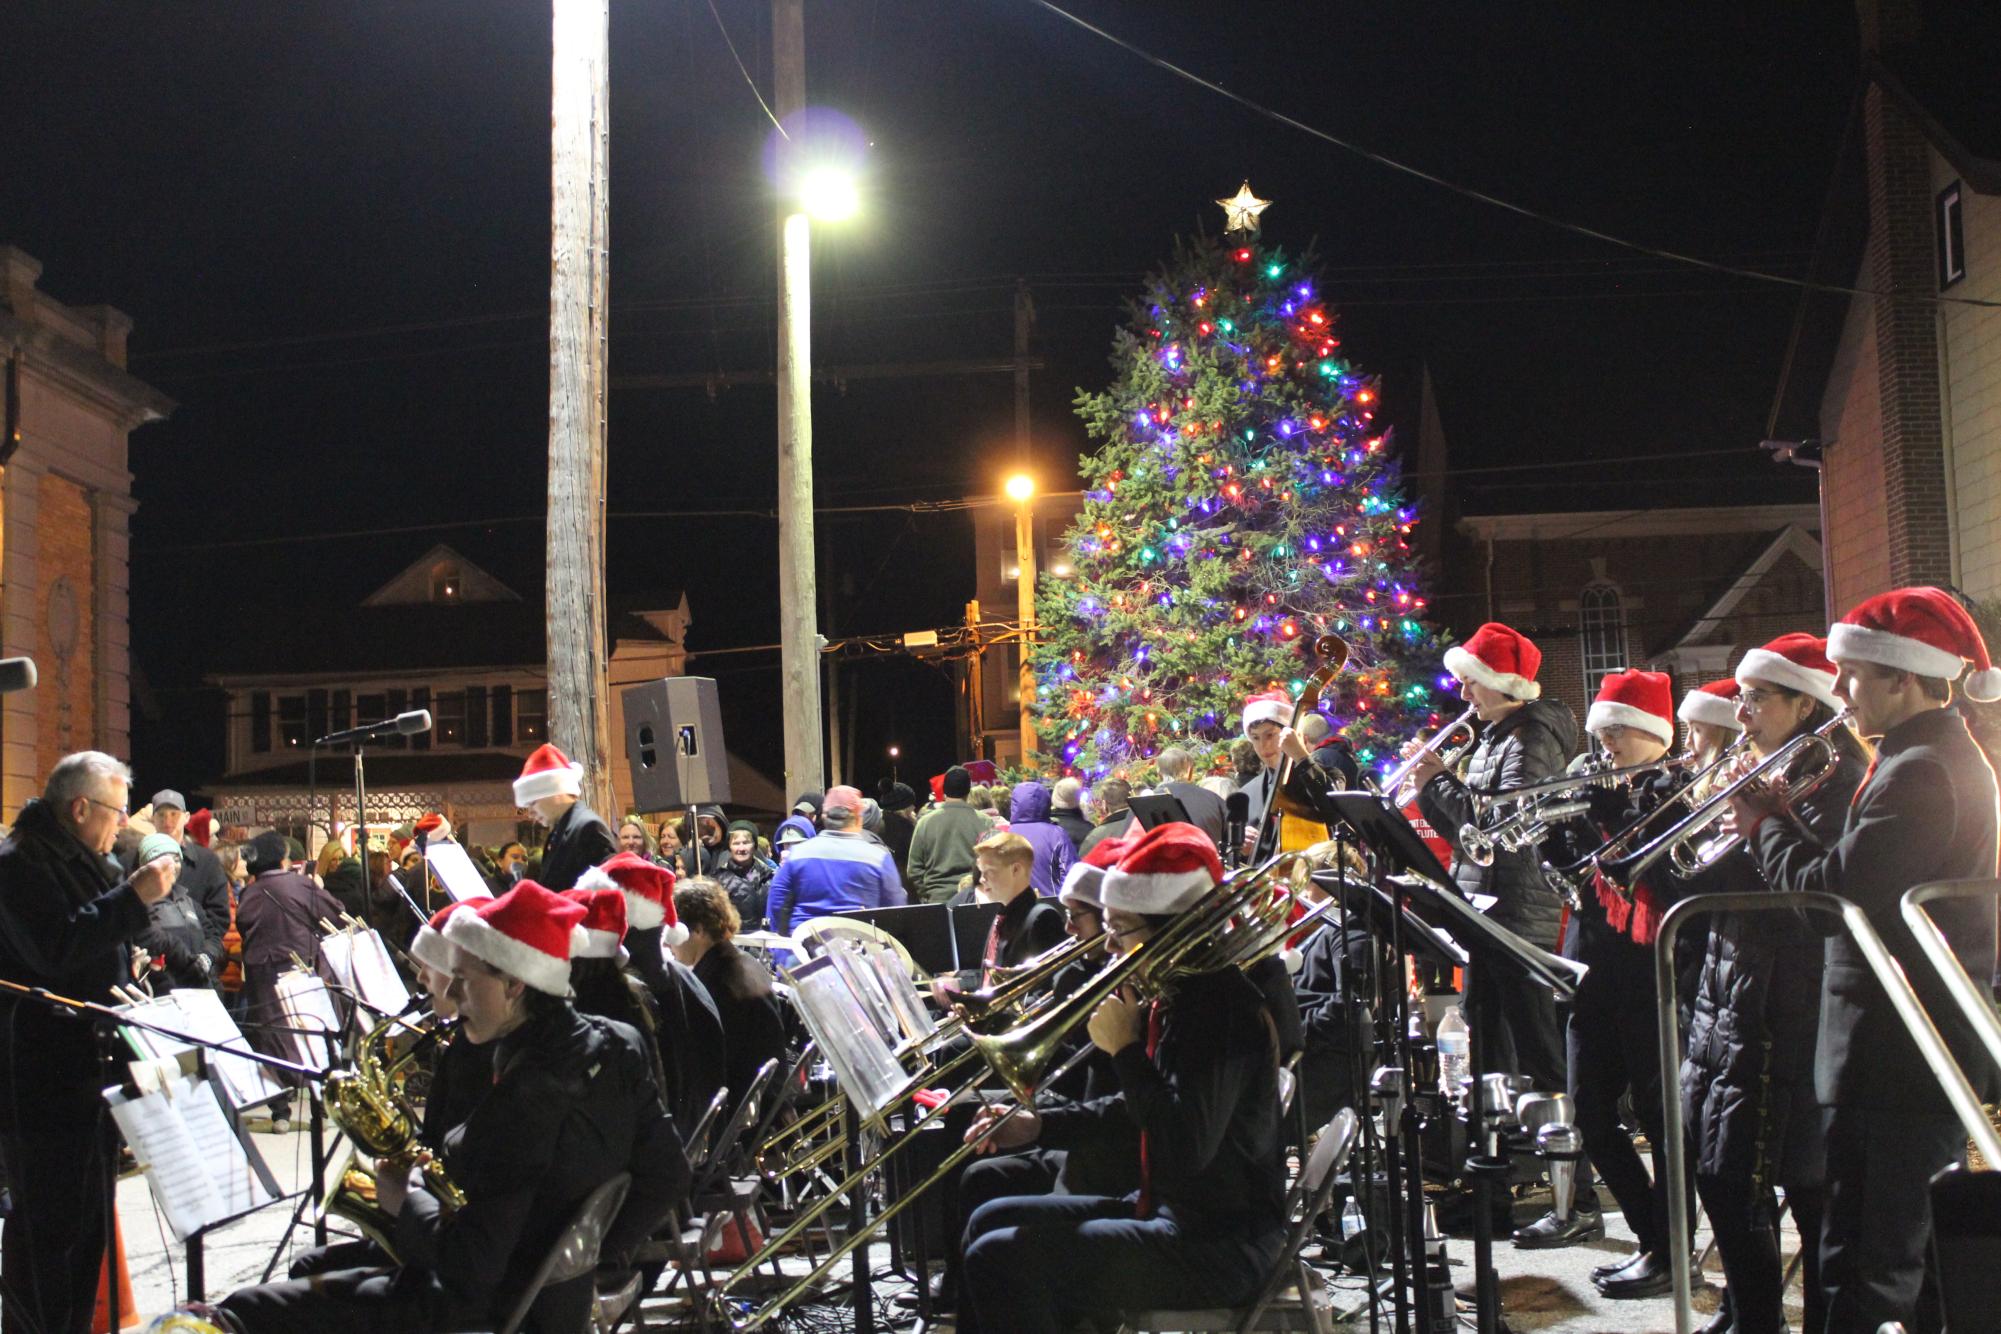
[575, 1254]
[1308, 1199]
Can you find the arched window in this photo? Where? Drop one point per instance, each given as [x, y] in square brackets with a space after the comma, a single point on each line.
[1601, 619]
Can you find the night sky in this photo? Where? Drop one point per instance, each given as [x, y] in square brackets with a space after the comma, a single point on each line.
[330, 224]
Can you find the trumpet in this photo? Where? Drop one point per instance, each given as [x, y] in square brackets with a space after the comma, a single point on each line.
[1805, 762]
[1567, 786]
[1518, 831]
[1431, 744]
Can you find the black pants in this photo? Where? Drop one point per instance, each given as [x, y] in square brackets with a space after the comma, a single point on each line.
[1042, 1263]
[1745, 1219]
[53, 1245]
[350, 1301]
[1874, 1238]
[1030, 1172]
[1514, 1026]
[1613, 1046]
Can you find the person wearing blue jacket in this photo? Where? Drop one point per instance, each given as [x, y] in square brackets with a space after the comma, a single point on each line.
[837, 871]
[1028, 815]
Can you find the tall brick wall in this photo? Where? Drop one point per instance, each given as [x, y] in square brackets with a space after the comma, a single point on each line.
[66, 698]
[1900, 260]
[1973, 390]
[1851, 420]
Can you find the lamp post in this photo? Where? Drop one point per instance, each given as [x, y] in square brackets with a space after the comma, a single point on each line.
[1021, 490]
[895, 753]
[809, 189]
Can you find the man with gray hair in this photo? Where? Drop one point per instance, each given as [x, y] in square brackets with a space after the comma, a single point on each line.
[1206, 810]
[1066, 802]
[67, 918]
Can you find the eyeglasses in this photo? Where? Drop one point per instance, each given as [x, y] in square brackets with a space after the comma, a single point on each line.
[122, 812]
[1758, 699]
[1081, 914]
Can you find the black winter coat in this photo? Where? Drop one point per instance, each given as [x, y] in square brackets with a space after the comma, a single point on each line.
[66, 920]
[578, 840]
[572, 1104]
[1529, 745]
[207, 885]
[753, 1022]
[693, 1053]
[1928, 813]
[177, 935]
[1747, 1073]
[748, 886]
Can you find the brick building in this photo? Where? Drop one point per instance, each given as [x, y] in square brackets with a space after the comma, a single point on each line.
[70, 407]
[1686, 591]
[1910, 414]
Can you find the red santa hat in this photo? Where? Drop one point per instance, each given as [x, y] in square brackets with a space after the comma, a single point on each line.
[1797, 662]
[1084, 883]
[604, 922]
[548, 773]
[529, 933]
[1714, 703]
[1269, 706]
[648, 888]
[201, 826]
[1638, 699]
[1164, 870]
[1498, 658]
[429, 946]
[1919, 630]
[434, 827]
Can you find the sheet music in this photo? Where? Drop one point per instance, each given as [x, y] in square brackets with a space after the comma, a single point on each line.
[198, 1169]
[375, 977]
[199, 1013]
[456, 872]
[309, 1009]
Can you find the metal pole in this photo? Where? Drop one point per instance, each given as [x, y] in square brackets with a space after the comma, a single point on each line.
[1024, 546]
[798, 628]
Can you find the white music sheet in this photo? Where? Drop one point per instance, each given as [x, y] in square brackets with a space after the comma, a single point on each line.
[198, 1168]
[200, 1014]
[456, 872]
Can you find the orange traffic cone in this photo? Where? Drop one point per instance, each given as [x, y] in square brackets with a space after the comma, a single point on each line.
[100, 1323]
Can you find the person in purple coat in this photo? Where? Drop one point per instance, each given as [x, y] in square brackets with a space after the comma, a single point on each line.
[1028, 815]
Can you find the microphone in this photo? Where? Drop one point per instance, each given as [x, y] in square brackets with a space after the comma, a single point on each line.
[403, 724]
[1236, 814]
[16, 674]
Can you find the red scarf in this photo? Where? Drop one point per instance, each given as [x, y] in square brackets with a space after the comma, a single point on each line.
[1638, 917]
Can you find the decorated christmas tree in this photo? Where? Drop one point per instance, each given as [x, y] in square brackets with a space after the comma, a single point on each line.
[1240, 502]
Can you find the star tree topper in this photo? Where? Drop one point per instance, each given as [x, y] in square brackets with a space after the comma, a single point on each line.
[1241, 210]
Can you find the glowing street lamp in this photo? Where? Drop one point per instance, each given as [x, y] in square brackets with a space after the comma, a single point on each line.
[1020, 489]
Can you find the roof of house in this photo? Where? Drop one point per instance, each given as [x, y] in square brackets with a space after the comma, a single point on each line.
[1946, 80]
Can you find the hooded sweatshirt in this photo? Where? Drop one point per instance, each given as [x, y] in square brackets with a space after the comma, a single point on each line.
[1028, 815]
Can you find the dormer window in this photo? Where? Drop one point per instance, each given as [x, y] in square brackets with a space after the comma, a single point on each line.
[446, 581]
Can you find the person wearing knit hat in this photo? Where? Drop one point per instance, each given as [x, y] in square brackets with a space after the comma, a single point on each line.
[1925, 811]
[175, 938]
[1747, 1075]
[1612, 933]
[1198, 1079]
[1526, 736]
[434, 957]
[570, 1102]
[278, 914]
[551, 785]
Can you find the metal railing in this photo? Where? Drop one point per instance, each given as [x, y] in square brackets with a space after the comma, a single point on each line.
[1889, 974]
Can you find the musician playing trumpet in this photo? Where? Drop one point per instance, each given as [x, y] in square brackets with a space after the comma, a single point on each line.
[1526, 739]
[1925, 811]
[1747, 1072]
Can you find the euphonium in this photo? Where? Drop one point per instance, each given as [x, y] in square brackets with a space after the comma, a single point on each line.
[368, 1104]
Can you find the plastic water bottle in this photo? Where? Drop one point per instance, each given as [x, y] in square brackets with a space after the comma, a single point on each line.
[1454, 1052]
[1352, 1221]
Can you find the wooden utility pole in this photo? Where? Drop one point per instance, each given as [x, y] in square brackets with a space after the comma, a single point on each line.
[798, 628]
[579, 258]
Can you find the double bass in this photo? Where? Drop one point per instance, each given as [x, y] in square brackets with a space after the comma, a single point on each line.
[1297, 826]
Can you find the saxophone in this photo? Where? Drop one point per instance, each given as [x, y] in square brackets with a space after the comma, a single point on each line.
[369, 1105]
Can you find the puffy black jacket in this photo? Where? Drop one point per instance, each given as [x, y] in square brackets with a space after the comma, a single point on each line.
[1529, 745]
[748, 886]
[1747, 1075]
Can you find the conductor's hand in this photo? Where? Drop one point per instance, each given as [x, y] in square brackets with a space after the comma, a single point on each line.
[1016, 1132]
[152, 881]
[1114, 1025]
[393, 1184]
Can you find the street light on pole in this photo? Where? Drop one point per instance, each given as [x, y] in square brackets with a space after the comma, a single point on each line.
[1021, 490]
[895, 753]
[810, 154]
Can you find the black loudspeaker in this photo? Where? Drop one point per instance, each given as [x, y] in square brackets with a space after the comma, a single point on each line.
[674, 743]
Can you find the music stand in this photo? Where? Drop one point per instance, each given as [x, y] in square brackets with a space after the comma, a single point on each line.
[1158, 808]
[925, 929]
[970, 924]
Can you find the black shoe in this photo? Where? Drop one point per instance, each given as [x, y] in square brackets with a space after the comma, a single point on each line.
[1647, 1277]
[1600, 1273]
[1720, 1323]
[1547, 1234]
[941, 1297]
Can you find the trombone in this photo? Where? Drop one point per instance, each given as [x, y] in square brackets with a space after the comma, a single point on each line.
[1237, 923]
[1621, 844]
[1805, 762]
[1564, 786]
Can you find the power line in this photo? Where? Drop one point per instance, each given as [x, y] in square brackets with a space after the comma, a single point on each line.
[1495, 201]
